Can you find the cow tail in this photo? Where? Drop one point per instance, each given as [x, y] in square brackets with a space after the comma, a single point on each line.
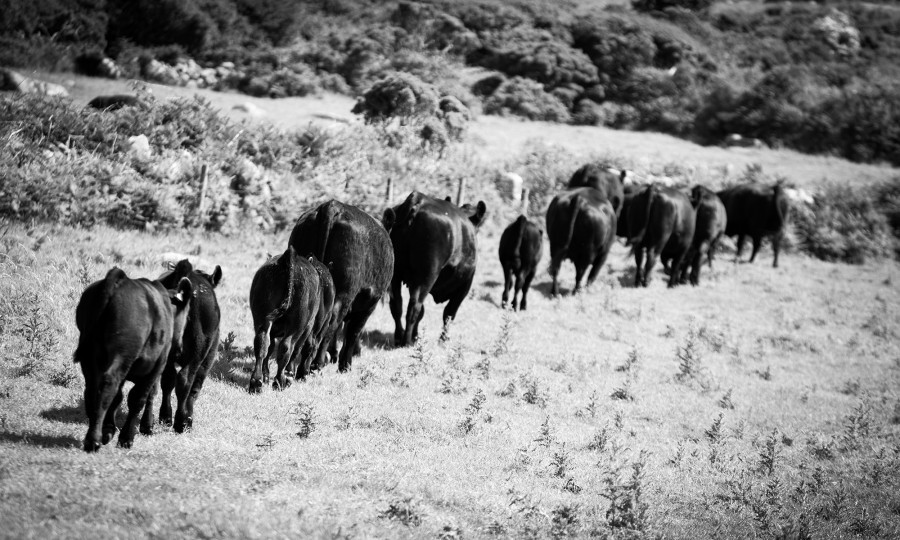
[324, 222]
[574, 207]
[639, 236]
[521, 224]
[86, 319]
[287, 264]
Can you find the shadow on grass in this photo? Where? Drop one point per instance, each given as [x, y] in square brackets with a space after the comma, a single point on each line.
[66, 415]
[44, 441]
[377, 339]
[492, 283]
[626, 278]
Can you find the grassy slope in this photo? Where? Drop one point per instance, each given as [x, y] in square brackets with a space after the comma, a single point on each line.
[826, 335]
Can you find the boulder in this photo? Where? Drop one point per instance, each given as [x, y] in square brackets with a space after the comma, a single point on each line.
[16, 82]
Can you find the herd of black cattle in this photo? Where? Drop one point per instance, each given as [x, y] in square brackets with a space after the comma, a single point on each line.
[339, 263]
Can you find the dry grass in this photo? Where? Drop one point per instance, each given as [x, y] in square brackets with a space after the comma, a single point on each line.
[397, 456]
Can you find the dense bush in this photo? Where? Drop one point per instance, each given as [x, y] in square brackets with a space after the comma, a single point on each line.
[660, 5]
[844, 225]
[526, 98]
[401, 96]
[545, 60]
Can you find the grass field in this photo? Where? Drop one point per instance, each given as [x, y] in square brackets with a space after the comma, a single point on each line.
[763, 403]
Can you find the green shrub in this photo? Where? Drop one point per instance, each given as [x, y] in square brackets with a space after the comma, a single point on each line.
[543, 59]
[401, 96]
[844, 225]
[526, 98]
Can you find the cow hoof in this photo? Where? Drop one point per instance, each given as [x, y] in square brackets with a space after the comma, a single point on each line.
[165, 420]
[181, 427]
[281, 385]
[91, 446]
[108, 436]
[146, 431]
[125, 443]
[255, 386]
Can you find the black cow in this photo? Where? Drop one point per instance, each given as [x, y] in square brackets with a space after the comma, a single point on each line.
[316, 346]
[581, 224]
[622, 227]
[521, 247]
[661, 221]
[199, 345]
[435, 252]
[113, 102]
[284, 300]
[756, 210]
[356, 248]
[127, 329]
[608, 181]
[709, 228]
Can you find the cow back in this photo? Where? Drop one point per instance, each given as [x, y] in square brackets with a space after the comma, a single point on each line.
[202, 328]
[434, 241]
[754, 209]
[580, 221]
[607, 181]
[353, 245]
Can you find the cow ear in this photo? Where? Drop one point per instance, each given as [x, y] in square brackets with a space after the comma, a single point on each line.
[478, 217]
[182, 295]
[216, 276]
[389, 218]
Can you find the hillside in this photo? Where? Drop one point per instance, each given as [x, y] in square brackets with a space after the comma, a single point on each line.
[816, 77]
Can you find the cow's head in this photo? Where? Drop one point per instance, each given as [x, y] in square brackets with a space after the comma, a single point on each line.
[181, 300]
[475, 213]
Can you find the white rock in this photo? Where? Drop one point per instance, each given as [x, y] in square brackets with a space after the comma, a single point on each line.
[139, 147]
[511, 184]
[250, 108]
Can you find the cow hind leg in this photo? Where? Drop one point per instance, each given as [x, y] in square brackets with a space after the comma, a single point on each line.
[740, 247]
[109, 420]
[652, 255]
[599, 261]
[555, 263]
[109, 388]
[353, 328]
[283, 358]
[186, 380]
[262, 348]
[507, 285]
[518, 289]
[757, 242]
[167, 382]
[675, 275]
[776, 247]
[137, 400]
[638, 265]
[414, 313]
[523, 304]
[452, 307]
[580, 269]
[396, 304]
[187, 416]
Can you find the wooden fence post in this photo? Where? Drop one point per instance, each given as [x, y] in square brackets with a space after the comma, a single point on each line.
[389, 194]
[525, 194]
[461, 191]
[204, 183]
